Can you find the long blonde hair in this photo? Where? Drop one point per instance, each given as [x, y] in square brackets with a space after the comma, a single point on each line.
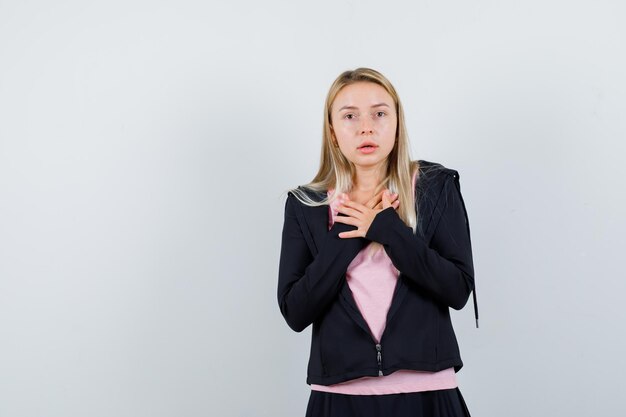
[337, 172]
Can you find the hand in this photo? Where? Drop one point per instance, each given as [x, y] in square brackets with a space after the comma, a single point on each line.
[362, 215]
[377, 201]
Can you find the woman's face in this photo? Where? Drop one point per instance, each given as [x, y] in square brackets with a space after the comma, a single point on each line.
[364, 113]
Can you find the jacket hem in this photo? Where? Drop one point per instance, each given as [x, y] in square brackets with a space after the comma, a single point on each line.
[373, 372]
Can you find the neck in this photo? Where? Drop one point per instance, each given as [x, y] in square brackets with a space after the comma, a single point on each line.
[367, 178]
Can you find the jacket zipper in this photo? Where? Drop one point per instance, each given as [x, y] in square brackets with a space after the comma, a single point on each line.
[379, 348]
[379, 358]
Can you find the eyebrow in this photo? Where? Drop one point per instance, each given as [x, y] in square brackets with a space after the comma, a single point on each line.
[356, 108]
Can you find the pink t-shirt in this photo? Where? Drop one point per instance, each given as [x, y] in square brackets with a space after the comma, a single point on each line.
[372, 279]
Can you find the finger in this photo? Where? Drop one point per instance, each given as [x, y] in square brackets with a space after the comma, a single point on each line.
[386, 199]
[392, 197]
[356, 206]
[347, 220]
[349, 211]
[374, 201]
[351, 233]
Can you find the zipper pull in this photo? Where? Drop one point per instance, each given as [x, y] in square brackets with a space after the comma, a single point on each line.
[379, 359]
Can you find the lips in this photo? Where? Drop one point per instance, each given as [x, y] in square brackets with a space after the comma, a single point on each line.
[366, 144]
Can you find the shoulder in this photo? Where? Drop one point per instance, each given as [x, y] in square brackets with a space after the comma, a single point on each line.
[429, 170]
[305, 196]
[309, 192]
[436, 188]
[433, 176]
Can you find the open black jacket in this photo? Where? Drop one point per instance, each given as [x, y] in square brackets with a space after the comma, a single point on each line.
[436, 272]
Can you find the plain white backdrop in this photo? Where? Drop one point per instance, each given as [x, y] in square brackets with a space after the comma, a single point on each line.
[145, 147]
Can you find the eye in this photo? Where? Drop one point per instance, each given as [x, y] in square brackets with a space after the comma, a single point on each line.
[349, 116]
[381, 113]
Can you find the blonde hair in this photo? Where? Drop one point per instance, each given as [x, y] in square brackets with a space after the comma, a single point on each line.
[337, 172]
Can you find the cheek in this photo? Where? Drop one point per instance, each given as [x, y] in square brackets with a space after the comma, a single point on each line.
[389, 131]
[342, 134]
[344, 148]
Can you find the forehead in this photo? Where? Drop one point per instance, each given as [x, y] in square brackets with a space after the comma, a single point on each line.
[362, 95]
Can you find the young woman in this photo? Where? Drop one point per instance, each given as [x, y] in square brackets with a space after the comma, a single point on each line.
[375, 250]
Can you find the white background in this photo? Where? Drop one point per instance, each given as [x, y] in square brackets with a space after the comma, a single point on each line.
[145, 147]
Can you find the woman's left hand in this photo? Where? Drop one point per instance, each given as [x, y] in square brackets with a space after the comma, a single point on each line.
[362, 216]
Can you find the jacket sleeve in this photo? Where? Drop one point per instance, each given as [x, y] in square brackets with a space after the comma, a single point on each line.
[444, 268]
[307, 283]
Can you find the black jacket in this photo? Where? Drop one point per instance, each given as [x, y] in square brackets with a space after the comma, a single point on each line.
[436, 272]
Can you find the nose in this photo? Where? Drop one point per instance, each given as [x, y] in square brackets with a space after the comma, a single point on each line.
[366, 126]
